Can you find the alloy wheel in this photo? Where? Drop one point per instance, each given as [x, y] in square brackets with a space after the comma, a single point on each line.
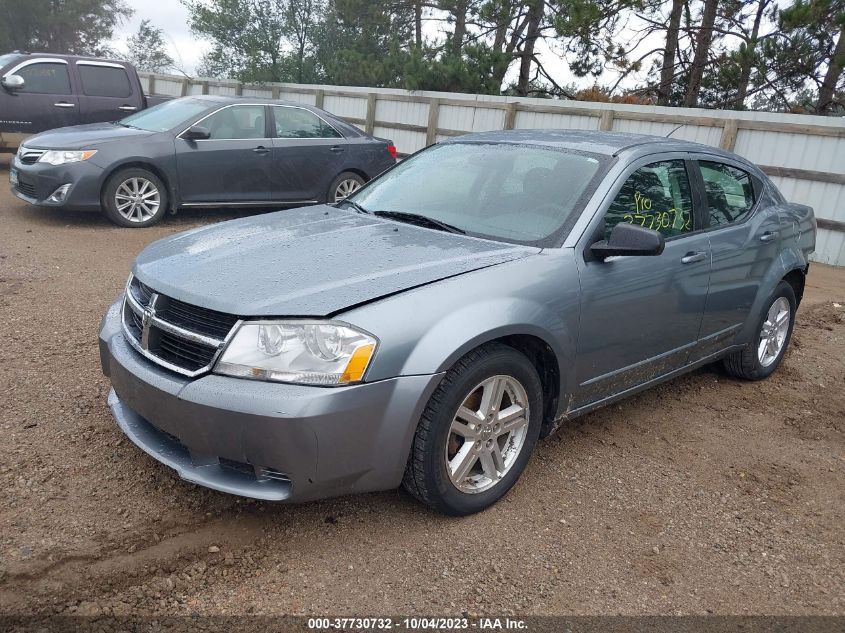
[774, 331]
[487, 434]
[137, 199]
[346, 188]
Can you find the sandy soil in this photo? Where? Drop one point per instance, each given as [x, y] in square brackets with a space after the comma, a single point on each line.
[706, 495]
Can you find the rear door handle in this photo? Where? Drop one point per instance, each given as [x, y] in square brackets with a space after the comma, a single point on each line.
[769, 236]
[127, 108]
[64, 104]
[261, 150]
[691, 258]
[337, 149]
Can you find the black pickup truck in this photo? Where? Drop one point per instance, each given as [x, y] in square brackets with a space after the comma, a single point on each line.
[40, 91]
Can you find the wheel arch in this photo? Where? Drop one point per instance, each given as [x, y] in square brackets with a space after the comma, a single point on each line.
[542, 356]
[791, 267]
[354, 170]
[797, 278]
[140, 164]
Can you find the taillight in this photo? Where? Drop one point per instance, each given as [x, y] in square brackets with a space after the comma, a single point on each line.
[391, 149]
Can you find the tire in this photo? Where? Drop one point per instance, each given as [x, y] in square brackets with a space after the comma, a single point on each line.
[755, 361]
[347, 183]
[124, 209]
[436, 451]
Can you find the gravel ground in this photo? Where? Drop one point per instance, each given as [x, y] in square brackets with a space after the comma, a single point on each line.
[705, 495]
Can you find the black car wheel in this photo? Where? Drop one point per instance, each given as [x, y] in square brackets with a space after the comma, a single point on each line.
[477, 431]
[344, 185]
[134, 197]
[774, 330]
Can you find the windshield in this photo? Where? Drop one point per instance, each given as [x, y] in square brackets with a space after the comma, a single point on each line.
[515, 193]
[167, 115]
[7, 59]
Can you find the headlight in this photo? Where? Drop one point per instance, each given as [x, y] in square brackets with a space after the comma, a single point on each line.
[305, 352]
[60, 157]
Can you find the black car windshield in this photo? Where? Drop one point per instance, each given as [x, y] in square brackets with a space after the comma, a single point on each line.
[167, 115]
[515, 193]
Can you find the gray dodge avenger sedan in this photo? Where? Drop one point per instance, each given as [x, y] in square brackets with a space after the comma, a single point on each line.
[430, 328]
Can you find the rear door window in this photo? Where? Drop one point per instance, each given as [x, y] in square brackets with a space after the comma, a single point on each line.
[301, 123]
[656, 196]
[730, 193]
[104, 81]
[45, 78]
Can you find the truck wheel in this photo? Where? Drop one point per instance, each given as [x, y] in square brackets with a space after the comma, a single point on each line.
[134, 197]
[772, 335]
[477, 431]
[344, 185]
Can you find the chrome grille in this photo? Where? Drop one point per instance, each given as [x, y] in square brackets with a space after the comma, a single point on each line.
[179, 336]
[29, 156]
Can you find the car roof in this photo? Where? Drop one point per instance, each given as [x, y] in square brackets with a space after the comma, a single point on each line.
[245, 99]
[81, 58]
[592, 141]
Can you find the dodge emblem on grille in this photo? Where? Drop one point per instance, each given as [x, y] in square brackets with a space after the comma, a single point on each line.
[147, 320]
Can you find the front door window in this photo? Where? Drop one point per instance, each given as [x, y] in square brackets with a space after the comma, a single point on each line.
[657, 196]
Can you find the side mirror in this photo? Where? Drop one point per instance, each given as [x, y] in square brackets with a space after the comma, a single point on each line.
[630, 239]
[13, 82]
[196, 133]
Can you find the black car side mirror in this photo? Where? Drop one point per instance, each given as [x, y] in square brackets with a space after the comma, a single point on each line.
[196, 133]
[13, 82]
[630, 239]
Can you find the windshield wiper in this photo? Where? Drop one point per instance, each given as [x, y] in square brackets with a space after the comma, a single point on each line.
[354, 205]
[419, 220]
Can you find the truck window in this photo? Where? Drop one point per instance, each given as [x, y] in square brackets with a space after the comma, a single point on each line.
[46, 78]
[104, 81]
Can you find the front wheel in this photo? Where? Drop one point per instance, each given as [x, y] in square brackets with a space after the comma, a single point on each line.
[772, 336]
[134, 198]
[477, 432]
[344, 186]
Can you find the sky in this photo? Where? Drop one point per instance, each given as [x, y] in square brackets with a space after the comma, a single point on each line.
[172, 17]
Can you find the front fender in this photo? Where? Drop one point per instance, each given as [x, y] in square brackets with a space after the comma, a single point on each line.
[426, 330]
[459, 332]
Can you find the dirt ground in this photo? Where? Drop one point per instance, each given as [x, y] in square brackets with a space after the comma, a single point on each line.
[706, 495]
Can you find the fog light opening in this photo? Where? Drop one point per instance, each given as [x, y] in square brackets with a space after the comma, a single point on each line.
[59, 195]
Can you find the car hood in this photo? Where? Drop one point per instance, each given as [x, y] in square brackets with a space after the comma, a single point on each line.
[84, 136]
[313, 261]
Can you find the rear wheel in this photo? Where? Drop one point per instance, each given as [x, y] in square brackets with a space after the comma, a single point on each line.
[477, 432]
[344, 186]
[134, 198]
[774, 330]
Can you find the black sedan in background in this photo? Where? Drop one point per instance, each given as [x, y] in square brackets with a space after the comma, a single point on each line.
[203, 151]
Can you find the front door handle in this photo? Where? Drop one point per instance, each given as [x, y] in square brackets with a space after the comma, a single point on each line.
[769, 236]
[337, 149]
[691, 258]
[64, 104]
[261, 150]
[127, 108]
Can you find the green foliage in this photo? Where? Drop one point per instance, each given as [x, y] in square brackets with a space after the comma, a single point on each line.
[60, 26]
[147, 50]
